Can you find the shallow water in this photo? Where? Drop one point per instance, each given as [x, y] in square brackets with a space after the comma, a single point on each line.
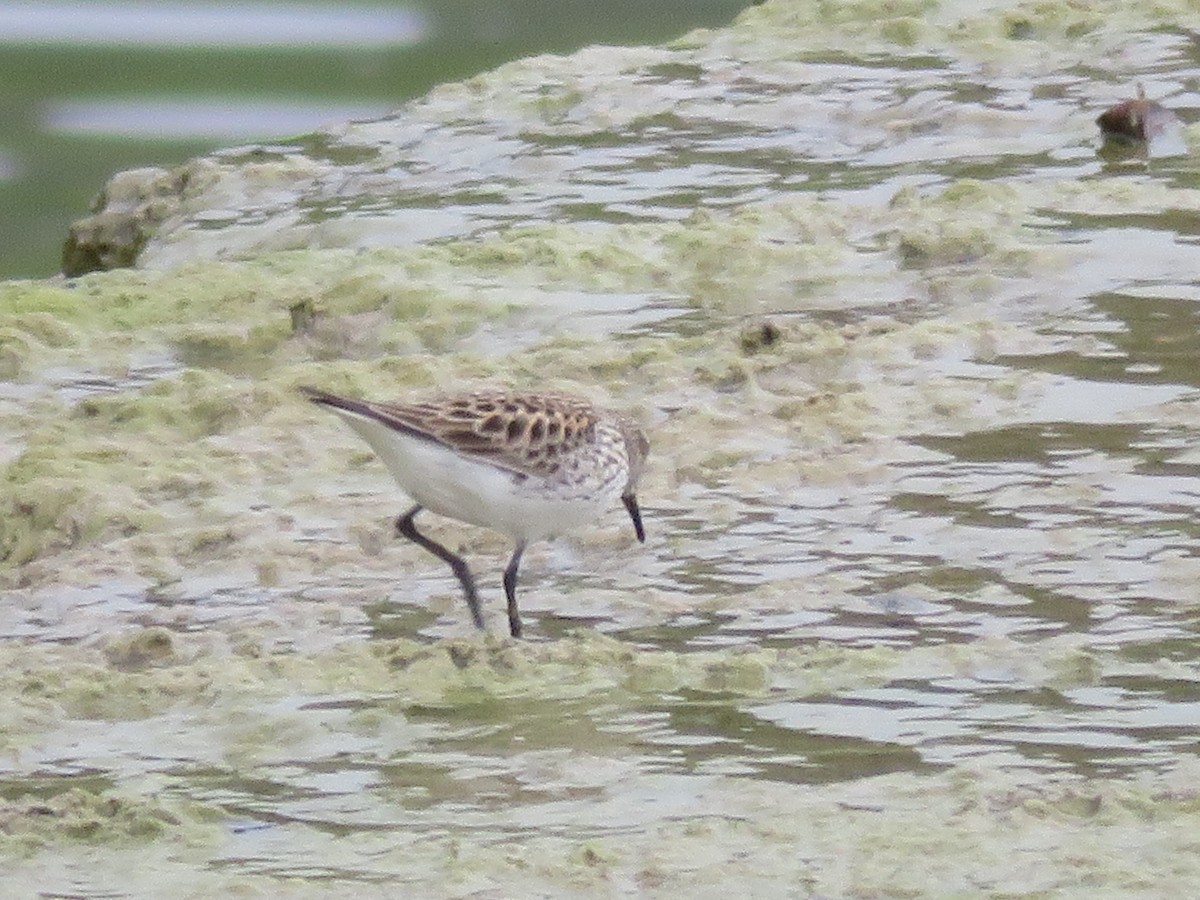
[115, 84]
[921, 571]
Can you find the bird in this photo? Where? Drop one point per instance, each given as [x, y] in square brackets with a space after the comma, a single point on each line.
[530, 465]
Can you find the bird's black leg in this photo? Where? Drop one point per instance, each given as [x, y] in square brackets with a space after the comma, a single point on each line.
[635, 513]
[405, 526]
[510, 590]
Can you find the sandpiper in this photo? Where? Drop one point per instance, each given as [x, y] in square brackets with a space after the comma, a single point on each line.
[530, 465]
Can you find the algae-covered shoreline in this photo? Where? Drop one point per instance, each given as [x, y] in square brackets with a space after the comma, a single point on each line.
[916, 615]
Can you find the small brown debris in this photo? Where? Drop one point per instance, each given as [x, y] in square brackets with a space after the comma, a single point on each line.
[759, 337]
[1136, 120]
